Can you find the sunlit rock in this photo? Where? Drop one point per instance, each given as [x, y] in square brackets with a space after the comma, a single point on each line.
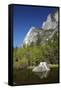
[43, 34]
[42, 67]
[51, 21]
[31, 36]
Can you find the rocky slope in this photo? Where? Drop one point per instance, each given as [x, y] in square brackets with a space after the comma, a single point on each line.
[41, 36]
[51, 22]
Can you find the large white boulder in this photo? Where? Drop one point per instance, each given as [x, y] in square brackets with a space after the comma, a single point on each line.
[42, 67]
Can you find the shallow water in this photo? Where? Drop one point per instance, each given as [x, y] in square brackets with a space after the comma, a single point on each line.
[26, 76]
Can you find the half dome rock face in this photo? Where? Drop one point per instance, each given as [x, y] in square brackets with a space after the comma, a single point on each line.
[37, 36]
[51, 22]
[27, 35]
[31, 36]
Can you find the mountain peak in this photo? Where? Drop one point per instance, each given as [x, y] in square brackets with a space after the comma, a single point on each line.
[51, 21]
[49, 27]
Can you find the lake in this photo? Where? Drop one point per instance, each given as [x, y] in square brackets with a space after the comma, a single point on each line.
[26, 76]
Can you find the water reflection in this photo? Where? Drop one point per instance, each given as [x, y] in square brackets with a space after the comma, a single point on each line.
[42, 74]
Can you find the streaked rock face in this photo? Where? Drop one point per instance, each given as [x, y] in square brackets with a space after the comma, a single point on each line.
[49, 28]
[51, 22]
[31, 36]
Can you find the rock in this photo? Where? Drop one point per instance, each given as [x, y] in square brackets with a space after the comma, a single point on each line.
[31, 36]
[43, 34]
[42, 67]
[51, 22]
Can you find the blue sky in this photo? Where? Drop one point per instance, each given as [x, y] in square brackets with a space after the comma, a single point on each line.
[24, 18]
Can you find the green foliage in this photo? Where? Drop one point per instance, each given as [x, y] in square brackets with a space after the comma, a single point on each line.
[33, 55]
